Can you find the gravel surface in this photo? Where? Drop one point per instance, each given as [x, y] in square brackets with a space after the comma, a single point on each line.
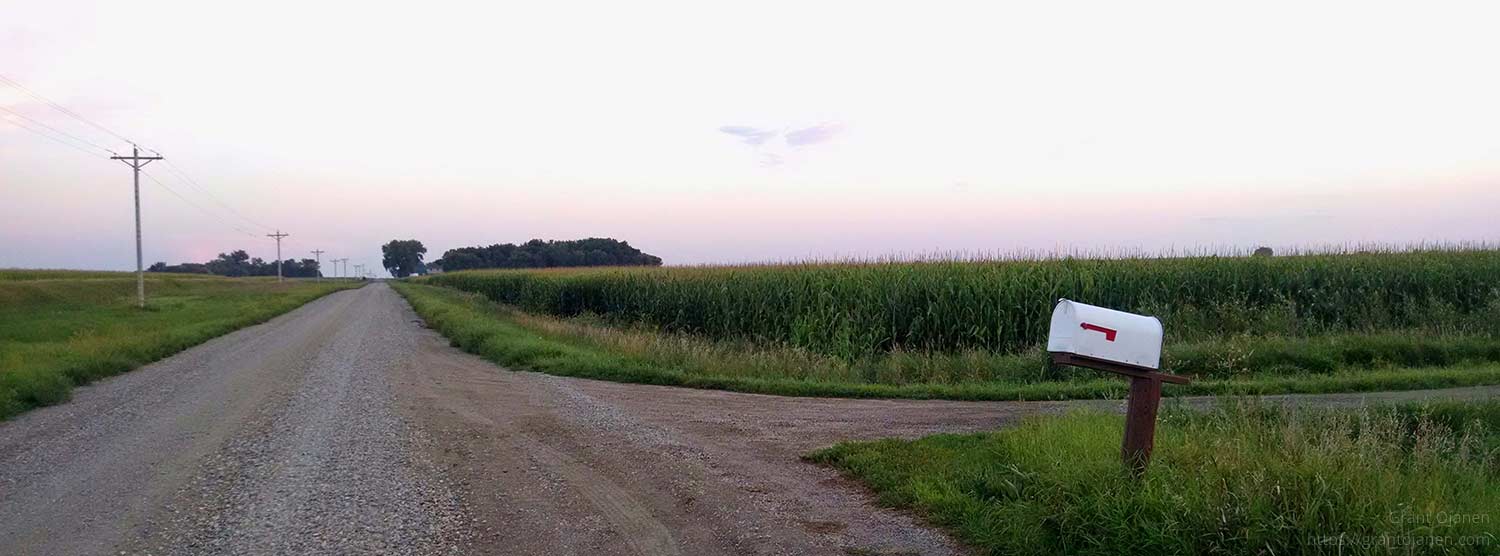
[279, 438]
[345, 427]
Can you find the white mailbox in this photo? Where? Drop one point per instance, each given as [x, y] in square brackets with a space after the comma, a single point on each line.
[1106, 334]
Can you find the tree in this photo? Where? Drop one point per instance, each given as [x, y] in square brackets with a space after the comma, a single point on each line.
[240, 263]
[403, 257]
[187, 268]
[542, 253]
[456, 260]
[233, 263]
[1263, 252]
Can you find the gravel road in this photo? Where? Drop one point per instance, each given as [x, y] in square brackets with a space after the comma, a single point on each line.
[279, 438]
[346, 427]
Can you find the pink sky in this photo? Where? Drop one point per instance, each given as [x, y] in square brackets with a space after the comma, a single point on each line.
[727, 133]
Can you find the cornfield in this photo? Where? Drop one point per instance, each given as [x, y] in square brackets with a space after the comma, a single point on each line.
[857, 309]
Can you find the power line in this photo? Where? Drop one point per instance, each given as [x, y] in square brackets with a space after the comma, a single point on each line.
[173, 168]
[148, 175]
[63, 109]
[58, 131]
[208, 211]
[136, 161]
[197, 206]
[58, 140]
[211, 196]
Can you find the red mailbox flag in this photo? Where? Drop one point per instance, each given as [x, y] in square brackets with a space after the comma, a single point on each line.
[1109, 333]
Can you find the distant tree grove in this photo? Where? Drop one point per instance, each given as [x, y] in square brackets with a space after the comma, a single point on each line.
[239, 263]
[546, 253]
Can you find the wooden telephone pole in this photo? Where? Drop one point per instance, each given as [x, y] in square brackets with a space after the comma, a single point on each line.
[278, 235]
[319, 270]
[135, 161]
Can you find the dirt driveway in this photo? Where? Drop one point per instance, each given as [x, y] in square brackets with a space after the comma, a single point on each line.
[560, 465]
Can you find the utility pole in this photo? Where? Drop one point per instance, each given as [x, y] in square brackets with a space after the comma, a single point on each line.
[318, 272]
[135, 161]
[345, 272]
[278, 235]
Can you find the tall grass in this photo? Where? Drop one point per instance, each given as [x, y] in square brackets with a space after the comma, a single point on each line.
[1239, 480]
[60, 329]
[851, 310]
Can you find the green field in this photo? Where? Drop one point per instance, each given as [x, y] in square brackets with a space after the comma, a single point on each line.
[977, 330]
[60, 329]
[1238, 480]
[853, 310]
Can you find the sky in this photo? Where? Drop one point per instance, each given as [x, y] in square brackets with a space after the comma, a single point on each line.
[718, 132]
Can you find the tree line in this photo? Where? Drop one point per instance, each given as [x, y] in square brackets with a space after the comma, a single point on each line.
[239, 263]
[404, 258]
[539, 253]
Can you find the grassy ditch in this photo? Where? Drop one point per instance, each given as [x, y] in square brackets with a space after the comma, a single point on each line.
[60, 329]
[595, 349]
[1239, 480]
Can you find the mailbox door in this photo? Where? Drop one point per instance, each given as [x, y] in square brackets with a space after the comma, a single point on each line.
[1105, 334]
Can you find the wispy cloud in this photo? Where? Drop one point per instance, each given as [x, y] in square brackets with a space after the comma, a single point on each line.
[775, 146]
[751, 136]
[813, 135]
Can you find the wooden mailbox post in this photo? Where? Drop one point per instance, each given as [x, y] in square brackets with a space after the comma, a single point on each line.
[1121, 343]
